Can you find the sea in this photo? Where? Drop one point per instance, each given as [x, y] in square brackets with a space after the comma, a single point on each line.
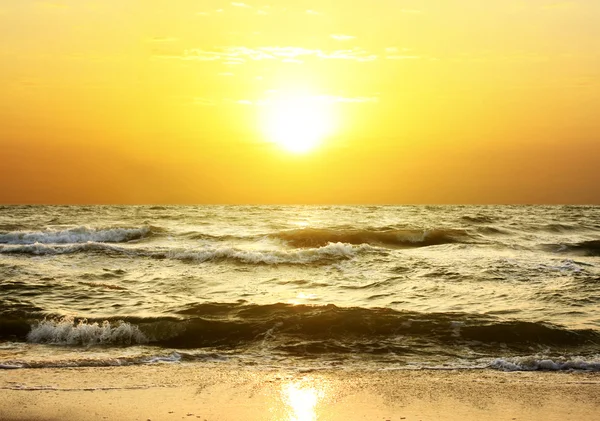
[513, 288]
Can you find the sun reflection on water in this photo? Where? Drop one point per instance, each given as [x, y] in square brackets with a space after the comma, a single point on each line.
[302, 400]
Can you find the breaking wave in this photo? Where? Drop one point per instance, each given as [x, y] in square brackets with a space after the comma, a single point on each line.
[321, 255]
[76, 235]
[326, 254]
[67, 331]
[312, 329]
[314, 237]
[40, 249]
[540, 363]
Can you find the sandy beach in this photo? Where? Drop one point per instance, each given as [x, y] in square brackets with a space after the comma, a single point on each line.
[224, 392]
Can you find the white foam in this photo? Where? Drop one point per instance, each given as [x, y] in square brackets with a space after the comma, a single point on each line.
[39, 249]
[534, 363]
[66, 332]
[74, 235]
[173, 358]
[272, 257]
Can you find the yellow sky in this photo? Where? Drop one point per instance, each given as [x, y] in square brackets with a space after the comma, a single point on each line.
[148, 101]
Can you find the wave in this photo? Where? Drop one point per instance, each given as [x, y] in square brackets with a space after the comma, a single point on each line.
[585, 248]
[540, 363]
[314, 237]
[303, 329]
[76, 235]
[67, 331]
[557, 228]
[321, 255]
[39, 249]
[99, 361]
[477, 219]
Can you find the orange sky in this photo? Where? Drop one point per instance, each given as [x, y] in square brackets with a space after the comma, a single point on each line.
[464, 101]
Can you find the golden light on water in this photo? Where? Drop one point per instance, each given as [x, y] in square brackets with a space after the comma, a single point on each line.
[302, 400]
[302, 298]
[298, 122]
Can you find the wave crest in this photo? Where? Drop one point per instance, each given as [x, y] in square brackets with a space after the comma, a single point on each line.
[313, 237]
[321, 255]
[67, 331]
[326, 254]
[540, 363]
[75, 235]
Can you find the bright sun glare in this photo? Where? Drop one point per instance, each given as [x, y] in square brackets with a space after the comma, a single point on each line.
[302, 400]
[298, 123]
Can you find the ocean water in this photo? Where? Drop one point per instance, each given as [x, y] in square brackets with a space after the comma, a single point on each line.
[303, 287]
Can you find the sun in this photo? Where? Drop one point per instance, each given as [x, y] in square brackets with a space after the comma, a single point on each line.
[298, 123]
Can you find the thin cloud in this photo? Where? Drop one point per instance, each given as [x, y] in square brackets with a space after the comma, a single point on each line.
[242, 5]
[205, 102]
[161, 40]
[331, 99]
[238, 55]
[402, 57]
[342, 37]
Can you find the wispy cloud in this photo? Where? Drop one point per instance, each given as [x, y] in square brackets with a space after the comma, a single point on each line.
[270, 97]
[206, 102]
[161, 40]
[312, 12]
[243, 5]
[342, 37]
[402, 57]
[237, 55]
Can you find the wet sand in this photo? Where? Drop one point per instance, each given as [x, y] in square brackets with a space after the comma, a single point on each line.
[214, 392]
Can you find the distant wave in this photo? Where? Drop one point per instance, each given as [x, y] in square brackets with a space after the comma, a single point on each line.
[76, 235]
[585, 248]
[40, 249]
[326, 254]
[314, 237]
[477, 219]
[321, 255]
[558, 228]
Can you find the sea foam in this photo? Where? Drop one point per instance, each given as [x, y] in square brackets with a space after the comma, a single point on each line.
[540, 363]
[67, 331]
[332, 251]
[75, 235]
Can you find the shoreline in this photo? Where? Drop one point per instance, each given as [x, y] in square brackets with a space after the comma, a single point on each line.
[209, 391]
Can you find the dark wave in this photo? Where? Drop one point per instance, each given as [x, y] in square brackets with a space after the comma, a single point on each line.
[477, 219]
[488, 230]
[557, 228]
[307, 330]
[314, 237]
[583, 248]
